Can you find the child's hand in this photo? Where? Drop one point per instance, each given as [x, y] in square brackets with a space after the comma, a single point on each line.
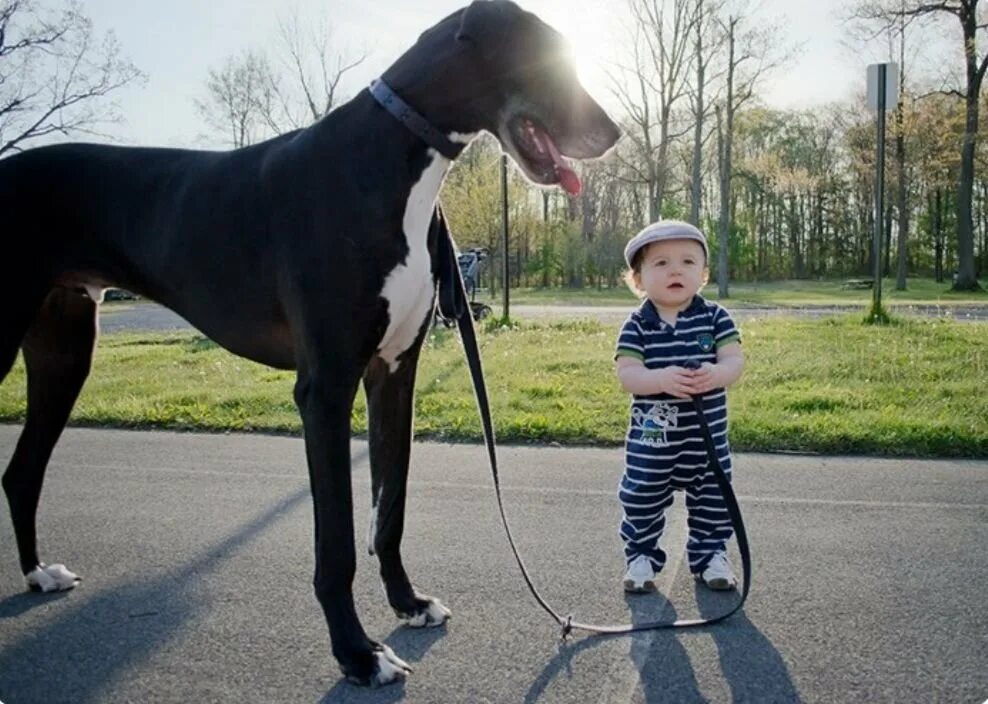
[705, 379]
[676, 381]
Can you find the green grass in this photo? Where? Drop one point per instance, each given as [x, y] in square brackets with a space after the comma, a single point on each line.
[912, 388]
[773, 293]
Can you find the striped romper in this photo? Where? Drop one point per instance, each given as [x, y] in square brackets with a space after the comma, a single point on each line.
[664, 449]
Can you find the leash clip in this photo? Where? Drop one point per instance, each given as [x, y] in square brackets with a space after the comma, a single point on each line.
[567, 628]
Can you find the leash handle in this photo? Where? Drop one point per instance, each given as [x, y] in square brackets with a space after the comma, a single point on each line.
[452, 297]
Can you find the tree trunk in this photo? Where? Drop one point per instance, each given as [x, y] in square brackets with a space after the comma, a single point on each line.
[966, 277]
[798, 267]
[662, 164]
[696, 190]
[724, 229]
[903, 205]
[887, 256]
[983, 262]
[938, 235]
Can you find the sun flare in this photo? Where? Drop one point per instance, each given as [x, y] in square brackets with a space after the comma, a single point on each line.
[589, 50]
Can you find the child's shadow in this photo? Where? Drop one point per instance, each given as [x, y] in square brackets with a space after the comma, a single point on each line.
[664, 669]
[752, 667]
[664, 666]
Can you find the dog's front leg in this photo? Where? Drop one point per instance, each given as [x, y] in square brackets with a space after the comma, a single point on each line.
[325, 400]
[389, 411]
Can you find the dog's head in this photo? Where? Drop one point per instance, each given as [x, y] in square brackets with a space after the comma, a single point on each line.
[498, 68]
[531, 98]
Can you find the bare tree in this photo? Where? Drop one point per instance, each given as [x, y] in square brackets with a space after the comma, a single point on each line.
[752, 49]
[705, 50]
[888, 14]
[239, 95]
[253, 97]
[902, 186]
[55, 74]
[634, 94]
[315, 73]
[658, 81]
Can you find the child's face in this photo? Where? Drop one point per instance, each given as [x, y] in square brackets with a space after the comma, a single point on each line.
[672, 272]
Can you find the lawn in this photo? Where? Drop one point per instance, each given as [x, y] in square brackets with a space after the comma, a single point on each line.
[914, 388]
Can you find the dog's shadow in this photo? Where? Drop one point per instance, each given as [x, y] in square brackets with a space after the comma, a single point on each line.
[101, 636]
[751, 666]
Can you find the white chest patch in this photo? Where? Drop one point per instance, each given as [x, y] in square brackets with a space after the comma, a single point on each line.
[408, 288]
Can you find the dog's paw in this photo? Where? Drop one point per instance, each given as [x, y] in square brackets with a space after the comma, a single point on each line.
[431, 614]
[51, 578]
[387, 668]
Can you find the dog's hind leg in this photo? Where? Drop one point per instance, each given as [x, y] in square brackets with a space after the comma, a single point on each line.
[58, 349]
[389, 412]
[18, 312]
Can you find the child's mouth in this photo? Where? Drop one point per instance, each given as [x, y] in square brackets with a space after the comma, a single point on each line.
[675, 285]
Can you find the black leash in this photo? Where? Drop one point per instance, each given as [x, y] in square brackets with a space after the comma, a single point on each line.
[453, 304]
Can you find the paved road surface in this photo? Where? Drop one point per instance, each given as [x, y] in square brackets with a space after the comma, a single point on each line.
[144, 315]
[869, 581]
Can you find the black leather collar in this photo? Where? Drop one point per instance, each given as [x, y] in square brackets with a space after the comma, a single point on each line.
[415, 123]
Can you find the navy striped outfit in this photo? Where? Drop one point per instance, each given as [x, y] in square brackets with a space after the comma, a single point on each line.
[664, 450]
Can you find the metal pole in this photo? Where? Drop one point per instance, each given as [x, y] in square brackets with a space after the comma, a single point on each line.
[504, 231]
[876, 305]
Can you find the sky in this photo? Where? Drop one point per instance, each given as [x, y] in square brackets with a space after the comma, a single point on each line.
[175, 43]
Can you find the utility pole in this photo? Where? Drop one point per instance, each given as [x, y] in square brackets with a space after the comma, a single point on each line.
[504, 233]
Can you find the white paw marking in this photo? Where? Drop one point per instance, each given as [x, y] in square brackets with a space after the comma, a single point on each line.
[389, 667]
[51, 578]
[433, 616]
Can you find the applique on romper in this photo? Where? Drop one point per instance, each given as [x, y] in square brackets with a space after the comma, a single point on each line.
[653, 424]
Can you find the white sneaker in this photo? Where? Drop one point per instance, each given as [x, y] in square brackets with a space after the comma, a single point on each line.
[718, 574]
[640, 577]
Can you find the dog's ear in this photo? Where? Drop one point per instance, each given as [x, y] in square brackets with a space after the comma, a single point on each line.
[485, 24]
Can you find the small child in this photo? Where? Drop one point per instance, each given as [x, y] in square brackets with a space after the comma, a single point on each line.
[668, 265]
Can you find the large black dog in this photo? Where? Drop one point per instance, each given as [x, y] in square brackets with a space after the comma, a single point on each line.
[314, 251]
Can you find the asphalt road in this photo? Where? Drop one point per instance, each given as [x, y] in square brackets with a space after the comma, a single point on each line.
[144, 315]
[869, 581]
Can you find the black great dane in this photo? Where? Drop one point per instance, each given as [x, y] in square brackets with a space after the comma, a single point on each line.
[315, 251]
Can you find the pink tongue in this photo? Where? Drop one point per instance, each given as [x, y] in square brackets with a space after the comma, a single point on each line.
[568, 179]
